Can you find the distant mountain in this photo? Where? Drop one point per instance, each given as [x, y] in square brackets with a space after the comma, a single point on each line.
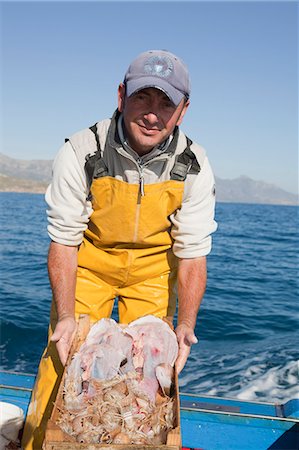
[246, 190]
[33, 176]
[11, 184]
[37, 169]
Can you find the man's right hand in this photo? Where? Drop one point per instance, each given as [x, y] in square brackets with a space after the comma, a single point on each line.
[63, 336]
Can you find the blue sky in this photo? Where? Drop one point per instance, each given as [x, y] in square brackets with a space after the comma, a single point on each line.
[62, 63]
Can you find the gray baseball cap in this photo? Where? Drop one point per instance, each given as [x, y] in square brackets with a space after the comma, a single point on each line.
[159, 69]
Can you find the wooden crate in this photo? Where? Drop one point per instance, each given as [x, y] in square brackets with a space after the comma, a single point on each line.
[56, 439]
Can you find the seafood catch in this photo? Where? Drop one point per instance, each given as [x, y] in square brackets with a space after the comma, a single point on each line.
[117, 386]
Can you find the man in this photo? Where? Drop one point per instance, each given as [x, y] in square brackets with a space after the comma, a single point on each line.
[131, 211]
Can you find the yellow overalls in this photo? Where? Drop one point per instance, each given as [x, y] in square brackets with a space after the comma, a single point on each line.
[126, 253]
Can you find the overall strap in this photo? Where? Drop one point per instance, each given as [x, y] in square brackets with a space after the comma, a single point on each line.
[185, 163]
[95, 166]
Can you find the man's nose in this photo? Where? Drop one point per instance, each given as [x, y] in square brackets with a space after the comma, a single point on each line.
[152, 116]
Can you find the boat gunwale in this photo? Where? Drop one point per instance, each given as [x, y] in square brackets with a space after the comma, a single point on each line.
[254, 402]
[15, 388]
[238, 414]
[11, 372]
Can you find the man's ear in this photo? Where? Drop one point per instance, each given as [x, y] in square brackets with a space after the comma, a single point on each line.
[121, 97]
[183, 112]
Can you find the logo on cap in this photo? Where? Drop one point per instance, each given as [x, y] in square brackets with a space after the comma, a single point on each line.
[160, 66]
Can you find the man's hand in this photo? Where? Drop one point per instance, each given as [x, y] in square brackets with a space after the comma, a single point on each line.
[63, 336]
[186, 337]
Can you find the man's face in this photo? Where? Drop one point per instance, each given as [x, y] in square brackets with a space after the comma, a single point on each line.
[149, 117]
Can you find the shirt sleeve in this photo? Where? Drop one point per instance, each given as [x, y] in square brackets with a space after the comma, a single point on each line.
[193, 223]
[68, 210]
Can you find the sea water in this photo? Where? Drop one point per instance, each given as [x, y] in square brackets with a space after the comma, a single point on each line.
[248, 324]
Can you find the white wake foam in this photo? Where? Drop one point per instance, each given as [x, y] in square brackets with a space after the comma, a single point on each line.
[275, 384]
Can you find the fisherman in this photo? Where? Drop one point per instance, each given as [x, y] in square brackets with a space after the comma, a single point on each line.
[131, 212]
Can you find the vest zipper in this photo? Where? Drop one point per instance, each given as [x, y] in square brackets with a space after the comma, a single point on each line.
[140, 194]
[141, 184]
[141, 180]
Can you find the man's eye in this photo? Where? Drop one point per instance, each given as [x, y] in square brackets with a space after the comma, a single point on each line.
[140, 96]
[169, 105]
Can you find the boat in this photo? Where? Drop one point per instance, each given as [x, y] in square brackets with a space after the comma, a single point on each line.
[207, 422]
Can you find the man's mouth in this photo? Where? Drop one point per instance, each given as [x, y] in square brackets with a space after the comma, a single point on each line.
[149, 131]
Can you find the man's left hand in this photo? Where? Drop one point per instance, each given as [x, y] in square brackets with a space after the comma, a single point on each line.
[63, 336]
[186, 337]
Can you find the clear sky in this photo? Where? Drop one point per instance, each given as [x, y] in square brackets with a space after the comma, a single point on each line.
[62, 63]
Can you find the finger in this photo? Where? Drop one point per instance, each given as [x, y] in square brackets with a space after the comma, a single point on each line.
[192, 339]
[63, 358]
[179, 364]
[55, 336]
[63, 350]
[182, 358]
[188, 340]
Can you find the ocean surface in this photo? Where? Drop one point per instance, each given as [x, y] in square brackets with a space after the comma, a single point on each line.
[248, 325]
